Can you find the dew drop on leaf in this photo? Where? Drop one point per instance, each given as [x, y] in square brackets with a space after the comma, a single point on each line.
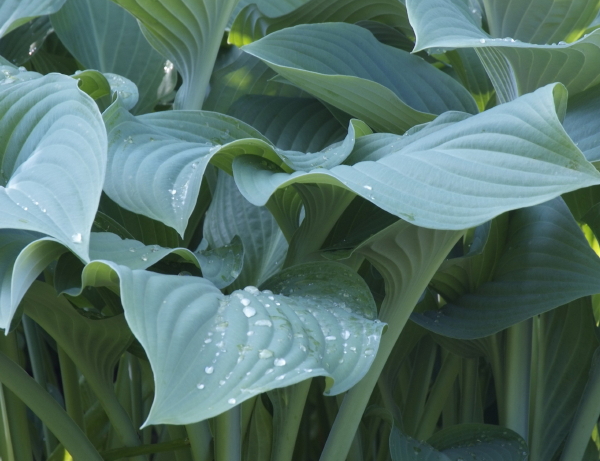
[249, 311]
[265, 353]
[279, 362]
[76, 238]
[209, 370]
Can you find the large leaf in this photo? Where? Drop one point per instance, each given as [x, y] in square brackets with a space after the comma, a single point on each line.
[476, 442]
[456, 177]
[23, 256]
[53, 145]
[103, 36]
[24, 41]
[244, 75]
[156, 162]
[566, 344]
[264, 245]
[514, 65]
[209, 351]
[581, 122]
[252, 24]
[547, 263]
[189, 34]
[14, 13]
[390, 89]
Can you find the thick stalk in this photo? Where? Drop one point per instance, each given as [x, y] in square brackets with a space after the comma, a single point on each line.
[586, 416]
[39, 373]
[199, 436]
[6, 448]
[286, 419]
[228, 435]
[518, 372]
[440, 391]
[468, 390]
[47, 409]
[16, 412]
[178, 433]
[419, 384]
[71, 390]
[407, 257]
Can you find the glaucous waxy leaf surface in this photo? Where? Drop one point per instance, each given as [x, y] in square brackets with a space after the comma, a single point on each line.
[547, 263]
[511, 156]
[156, 161]
[23, 256]
[103, 36]
[189, 34]
[21, 44]
[252, 23]
[209, 351]
[390, 89]
[14, 13]
[229, 217]
[476, 442]
[53, 145]
[514, 65]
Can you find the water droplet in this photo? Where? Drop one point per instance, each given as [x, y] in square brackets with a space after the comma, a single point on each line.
[132, 250]
[330, 338]
[200, 386]
[129, 140]
[208, 341]
[482, 40]
[144, 258]
[252, 290]
[172, 191]
[221, 382]
[263, 323]
[209, 370]
[245, 302]
[345, 334]
[279, 362]
[249, 311]
[368, 351]
[76, 238]
[265, 354]
[231, 401]
[368, 187]
[279, 378]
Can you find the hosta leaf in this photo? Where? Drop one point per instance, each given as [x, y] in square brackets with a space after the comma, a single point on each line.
[390, 89]
[553, 21]
[94, 345]
[19, 45]
[23, 256]
[189, 34]
[547, 263]
[567, 343]
[93, 83]
[209, 351]
[452, 168]
[476, 442]
[14, 13]
[244, 75]
[299, 124]
[516, 66]
[581, 122]
[222, 265]
[53, 163]
[231, 215]
[252, 24]
[105, 37]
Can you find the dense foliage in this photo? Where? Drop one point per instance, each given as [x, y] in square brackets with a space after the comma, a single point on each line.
[299, 229]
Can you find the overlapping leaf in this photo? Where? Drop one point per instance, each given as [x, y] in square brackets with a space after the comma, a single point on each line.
[14, 13]
[156, 161]
[53, 161]
[189, 34]
[345, 66]
[252, 24]
[103, 36]
[210, 352]
[477, 442]
[515, 66]
[457, 177]
[547, 263]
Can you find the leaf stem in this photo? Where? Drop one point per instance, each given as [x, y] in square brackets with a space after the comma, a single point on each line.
[200, 437]
[70, 383]
[286, 419]
[128, 452]
[228, 435]
[518, 371]
[468, 390]
[586, 416]
[47, 409]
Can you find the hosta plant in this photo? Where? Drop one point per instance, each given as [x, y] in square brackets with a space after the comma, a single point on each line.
[299, 229]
